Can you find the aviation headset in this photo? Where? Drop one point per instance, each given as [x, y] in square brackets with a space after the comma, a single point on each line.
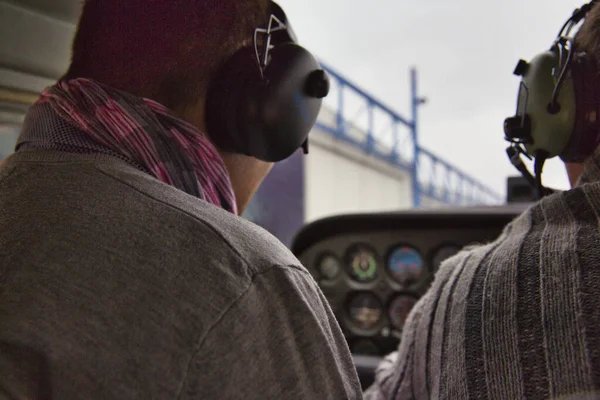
[556, 105]
[265, 99]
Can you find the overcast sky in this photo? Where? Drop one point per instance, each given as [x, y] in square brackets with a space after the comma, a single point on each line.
[465, 52]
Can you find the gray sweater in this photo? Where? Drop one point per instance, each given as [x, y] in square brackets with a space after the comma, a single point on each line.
[518, 318]
[114, 285]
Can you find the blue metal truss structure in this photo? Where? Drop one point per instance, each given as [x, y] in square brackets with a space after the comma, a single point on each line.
[376, 129]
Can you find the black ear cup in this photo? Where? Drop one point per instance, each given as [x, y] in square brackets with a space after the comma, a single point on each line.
[266, 116]
[287, 108]
[238, 78]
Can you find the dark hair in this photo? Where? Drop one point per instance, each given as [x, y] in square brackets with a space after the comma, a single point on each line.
[166, 50]
[588, 37]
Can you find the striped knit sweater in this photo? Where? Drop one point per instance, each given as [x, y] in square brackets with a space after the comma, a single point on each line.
[518, 318]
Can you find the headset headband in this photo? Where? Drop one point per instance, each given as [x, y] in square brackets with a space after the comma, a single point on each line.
[287, 35]
[278, 32]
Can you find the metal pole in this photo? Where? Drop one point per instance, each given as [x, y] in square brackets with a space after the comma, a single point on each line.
[416, 188]
[370, 128]
[340, 114]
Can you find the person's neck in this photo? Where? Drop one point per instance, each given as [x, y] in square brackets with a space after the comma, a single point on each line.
[246, 175]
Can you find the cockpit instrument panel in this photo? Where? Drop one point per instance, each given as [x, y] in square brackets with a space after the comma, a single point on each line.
[374, 268]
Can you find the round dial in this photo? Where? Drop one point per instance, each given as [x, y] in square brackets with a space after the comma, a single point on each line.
[362, 264]
[405, 265]
[442, 254]
[365, 310]
[399, 309]
[329, 267]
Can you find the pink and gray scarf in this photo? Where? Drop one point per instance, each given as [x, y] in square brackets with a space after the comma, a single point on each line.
[140, 131]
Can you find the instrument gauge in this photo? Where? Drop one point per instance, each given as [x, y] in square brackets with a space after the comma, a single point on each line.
[328, 267]
[365, 310]
[405, 265]
[361, 263]
[442, 254]
[399, 309]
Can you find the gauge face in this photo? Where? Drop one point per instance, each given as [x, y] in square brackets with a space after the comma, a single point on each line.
[362, 264]
[365, 310]
[329, 267]
[399, 309]
[442, 254]
[405, 265]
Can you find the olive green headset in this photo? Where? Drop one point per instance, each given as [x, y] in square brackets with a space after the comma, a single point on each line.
[556, 113]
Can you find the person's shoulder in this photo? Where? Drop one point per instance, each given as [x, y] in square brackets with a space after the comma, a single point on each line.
[254, 244]
[556, 220]
[257, 247]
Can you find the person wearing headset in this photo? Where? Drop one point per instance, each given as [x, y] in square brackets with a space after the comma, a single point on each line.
[125, 270]
[519, 318]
